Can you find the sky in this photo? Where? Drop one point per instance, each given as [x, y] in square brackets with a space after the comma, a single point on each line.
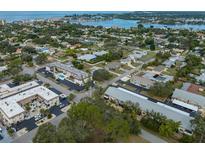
[102, 5]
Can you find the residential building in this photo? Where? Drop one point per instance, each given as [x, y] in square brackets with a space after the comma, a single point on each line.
[158, 77]
[113, 65]
[189, 98]
[142, 82]
[87, 57]
[121, 95]
[13, 100]
[68, 72]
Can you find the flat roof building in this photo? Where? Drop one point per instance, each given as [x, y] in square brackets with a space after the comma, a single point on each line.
[13, 100]
[158, 77]
[71, 74]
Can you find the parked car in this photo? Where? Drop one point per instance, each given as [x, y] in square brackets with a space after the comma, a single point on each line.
[63, 96]
[37, 117]
[62, 105]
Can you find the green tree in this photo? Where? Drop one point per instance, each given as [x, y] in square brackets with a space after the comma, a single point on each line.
[46, 134]
[71, 97]
[186, 139]
[161, 89]
[77, 64]
[26, 57]
[169, 128]
[101, 75]
[117, 129]
[199, 128]
[15, 66]
[153, 120]
[29, 50]
[41, 58]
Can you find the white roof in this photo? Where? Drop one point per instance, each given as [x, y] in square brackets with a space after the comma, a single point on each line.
[100, 53]
[6, 91]
[189, 97]
[11, 109]
[79, 74]
[145, 104]
[10, 106]
[87, 57]
[188, 106]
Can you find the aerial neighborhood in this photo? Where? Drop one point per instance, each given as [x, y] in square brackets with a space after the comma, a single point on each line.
[51, 68]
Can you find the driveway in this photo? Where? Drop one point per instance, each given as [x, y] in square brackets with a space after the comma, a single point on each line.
[27, 138]
[29, 124]
[150, 137]
[53, 84]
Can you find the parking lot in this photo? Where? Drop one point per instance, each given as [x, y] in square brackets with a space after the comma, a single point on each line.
[30, 124]
[138, 89]
[70, 85]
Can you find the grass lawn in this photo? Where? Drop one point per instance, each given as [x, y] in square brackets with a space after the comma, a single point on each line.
[101, 64]
[128, 87]
[118, 71]
[63, 58]
[170, 71]
[145, 93]
[135, 139]
[126, 67]
[136, 64]
[178, 84]
[113, 75]
[149, 56]
[86, 67]
[196, 71]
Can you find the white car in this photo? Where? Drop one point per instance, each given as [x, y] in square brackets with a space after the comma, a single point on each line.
[1, 130]
[37, 117]
[62, 96]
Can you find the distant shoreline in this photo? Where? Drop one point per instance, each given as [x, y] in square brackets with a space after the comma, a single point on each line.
[11, 16]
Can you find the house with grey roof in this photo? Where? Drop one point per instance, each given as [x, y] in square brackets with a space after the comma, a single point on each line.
[142, 82]
[188, 97]
[87, 57]
[158, 77]
[121, 95]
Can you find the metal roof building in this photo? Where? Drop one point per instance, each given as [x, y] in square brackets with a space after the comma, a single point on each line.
[124, 95]
[189, 97]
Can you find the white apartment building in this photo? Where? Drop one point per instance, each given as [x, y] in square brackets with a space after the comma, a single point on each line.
[12, 100]
[68, 72]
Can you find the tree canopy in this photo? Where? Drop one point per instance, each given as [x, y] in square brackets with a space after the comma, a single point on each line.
[101, 75]
[91, 120]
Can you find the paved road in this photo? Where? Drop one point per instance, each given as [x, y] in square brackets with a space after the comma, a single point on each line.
[150, 137]
[106, 83]
[27, 138]
[53, 84]
[28, 70]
